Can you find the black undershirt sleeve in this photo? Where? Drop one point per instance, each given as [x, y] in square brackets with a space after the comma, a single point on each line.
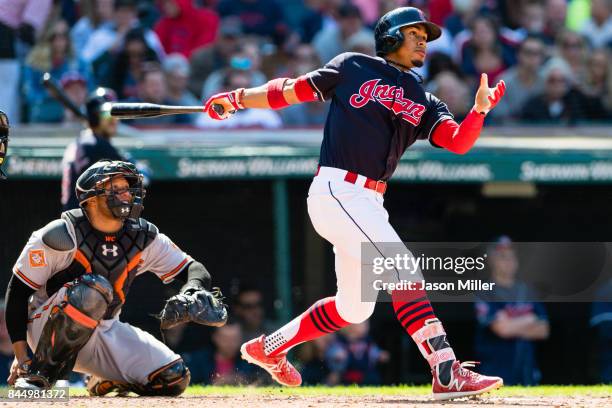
[196, 276]
[17, 294]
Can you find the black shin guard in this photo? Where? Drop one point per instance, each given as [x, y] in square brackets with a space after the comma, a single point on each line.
[69, 327]
[170, 380]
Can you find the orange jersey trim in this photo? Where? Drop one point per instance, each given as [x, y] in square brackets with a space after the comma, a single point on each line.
[176, 270]
[28, 281]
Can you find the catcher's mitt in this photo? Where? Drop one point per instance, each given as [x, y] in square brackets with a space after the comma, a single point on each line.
[198, 306]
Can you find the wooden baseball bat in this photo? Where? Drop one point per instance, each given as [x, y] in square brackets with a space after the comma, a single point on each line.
[56, 91]
[127, 110]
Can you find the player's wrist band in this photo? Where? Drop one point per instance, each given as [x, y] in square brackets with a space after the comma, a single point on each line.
[236, 98]
[276, 98]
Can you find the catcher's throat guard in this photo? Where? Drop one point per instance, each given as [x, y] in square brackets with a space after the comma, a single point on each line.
[92, 183]
[4, 133]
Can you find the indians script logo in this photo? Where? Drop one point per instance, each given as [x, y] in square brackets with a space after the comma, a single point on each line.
[388, 95]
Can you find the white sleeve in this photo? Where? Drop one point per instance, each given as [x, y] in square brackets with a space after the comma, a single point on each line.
[38, 262]
[164, 258]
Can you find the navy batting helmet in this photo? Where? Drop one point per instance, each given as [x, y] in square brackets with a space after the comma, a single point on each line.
[388, 34]
[91, 184]
[94, 104]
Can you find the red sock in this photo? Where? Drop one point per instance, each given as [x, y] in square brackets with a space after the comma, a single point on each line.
[412, 308]
[320, 319]
[415, 314]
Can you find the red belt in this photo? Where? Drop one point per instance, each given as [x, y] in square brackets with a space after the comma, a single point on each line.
[379, 186]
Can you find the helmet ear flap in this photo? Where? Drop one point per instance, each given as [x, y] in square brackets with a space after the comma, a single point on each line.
[393, 41]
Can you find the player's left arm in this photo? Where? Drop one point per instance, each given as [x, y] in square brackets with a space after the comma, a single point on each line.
[275, 94]
[279, 93]
[196, 301]
[459, 138]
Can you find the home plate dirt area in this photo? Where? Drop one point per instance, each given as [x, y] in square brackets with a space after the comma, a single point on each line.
[404, 396]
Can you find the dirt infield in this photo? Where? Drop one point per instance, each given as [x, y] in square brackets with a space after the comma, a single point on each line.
[248, 401]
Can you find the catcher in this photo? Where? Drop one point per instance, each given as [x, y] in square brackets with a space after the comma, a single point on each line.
[72, 278]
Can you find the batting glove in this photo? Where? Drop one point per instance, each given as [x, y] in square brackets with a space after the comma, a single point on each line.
[223, 105]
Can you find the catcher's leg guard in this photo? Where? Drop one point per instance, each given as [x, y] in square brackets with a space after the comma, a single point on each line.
[169, 380]
[70, 325]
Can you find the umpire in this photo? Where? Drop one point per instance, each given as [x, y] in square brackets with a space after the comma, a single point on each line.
[93, 144]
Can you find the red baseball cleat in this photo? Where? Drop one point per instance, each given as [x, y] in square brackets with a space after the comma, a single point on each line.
[463, 382]
[277, 366]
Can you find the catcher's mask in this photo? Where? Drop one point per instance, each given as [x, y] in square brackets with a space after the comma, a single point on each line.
[4, 132]
[91, 184]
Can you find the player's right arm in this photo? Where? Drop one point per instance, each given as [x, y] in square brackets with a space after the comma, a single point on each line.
[48, 250]
[279, 93]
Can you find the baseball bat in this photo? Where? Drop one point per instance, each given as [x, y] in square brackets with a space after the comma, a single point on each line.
[59, 95]
[127, 110]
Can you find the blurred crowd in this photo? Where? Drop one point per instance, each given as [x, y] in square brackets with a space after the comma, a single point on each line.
[553, 54]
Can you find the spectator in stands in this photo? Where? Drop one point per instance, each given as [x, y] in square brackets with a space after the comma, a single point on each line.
[463, 12]
[561, 102]
[176, 69]
[601, 322]
[249, 311]
[185, 28]
[6, 347]
[598, 81]
[556, 16]
[524, 79]
[261, 118]
[110, 37]
[120, 71]
[317, 15]
[354, 358]
[311, 358]
[573, 48]
[222, 365]
[454, 92]
[439, 63]
[487, 51]
[95, 13]
[333, 40]
[598, 29]
[75, 86]
[53, 54]
[509, 321]
[303, 59]
[533, 18]
[152, 88]
[260, 17]
[206, 60]
[20, 22]
[247, 58]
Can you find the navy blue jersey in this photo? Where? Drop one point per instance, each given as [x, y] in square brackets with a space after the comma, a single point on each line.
[512, 359]
[377, 112]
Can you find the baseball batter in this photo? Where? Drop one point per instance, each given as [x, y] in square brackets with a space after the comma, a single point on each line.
[72, 278]
[378, 109]
[93, 144]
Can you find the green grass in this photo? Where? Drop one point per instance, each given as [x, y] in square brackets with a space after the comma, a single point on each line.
[400, 390]
[408, 390]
